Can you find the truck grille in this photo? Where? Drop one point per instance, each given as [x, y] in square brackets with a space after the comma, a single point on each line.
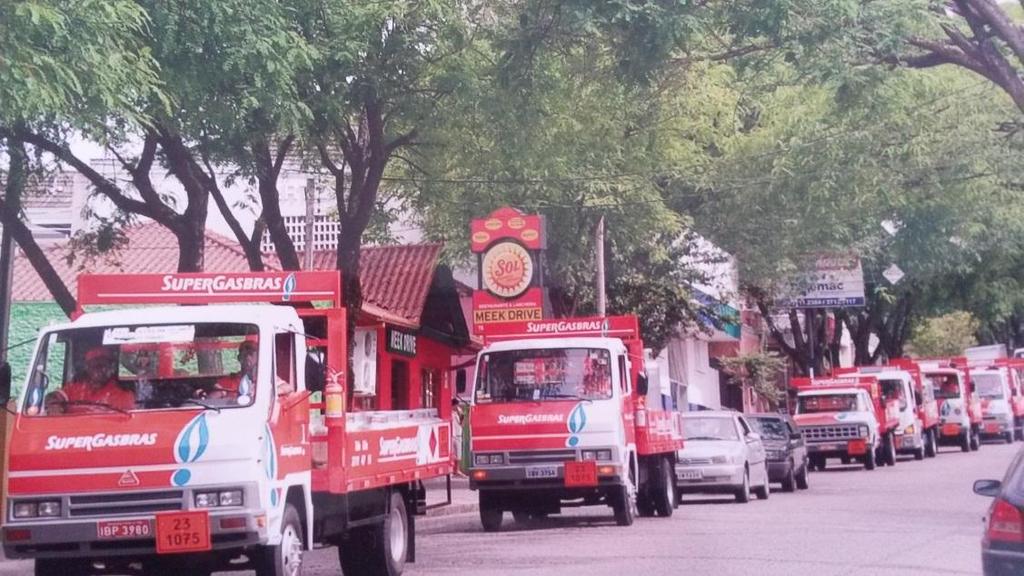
[91, 505]
[541, 456]
[828, 433]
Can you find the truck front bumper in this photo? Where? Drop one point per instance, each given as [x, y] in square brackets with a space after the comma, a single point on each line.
[531, 478]
[854, 448]
[63, 538]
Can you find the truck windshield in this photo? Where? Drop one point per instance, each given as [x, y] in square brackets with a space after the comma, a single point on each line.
[705, 428]
[814, 403]
[132, 368]
[989, 385]
[945, 385]
[545, 374]
[894, 390]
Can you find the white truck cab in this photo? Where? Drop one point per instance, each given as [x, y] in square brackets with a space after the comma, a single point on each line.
[909, 433]
[993, 386]
[838, 422]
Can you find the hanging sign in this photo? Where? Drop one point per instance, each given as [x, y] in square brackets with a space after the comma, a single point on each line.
[832, 281]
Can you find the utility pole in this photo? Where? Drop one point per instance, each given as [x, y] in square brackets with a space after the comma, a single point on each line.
[6, 278]
[310, 216]
[599, 257]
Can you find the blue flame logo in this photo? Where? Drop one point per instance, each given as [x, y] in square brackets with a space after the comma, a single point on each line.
[289, 287]
[576, 422]
[269, 455]
[190, 447]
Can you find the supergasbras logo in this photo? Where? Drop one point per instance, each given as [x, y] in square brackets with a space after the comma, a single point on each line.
[90, 443]
[531, 418]
[225, 284]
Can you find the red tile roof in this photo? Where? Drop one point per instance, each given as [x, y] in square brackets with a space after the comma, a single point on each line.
[396, 279]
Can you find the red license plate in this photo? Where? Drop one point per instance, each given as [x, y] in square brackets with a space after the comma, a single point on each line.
[115, 530]
[857, 447]
[950, 429]
[182, 532]
[992, 428]
[581, 473]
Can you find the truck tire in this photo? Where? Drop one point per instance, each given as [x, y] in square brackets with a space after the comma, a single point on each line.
[789, 482]
[919, 451]
[743, 492]
[62, 567]
[965, 441]
[664, 495]
[285, 559]
[890, 450]
[490, 513]
[623, 506]
[380, 550]
[975, 439]
[802, 479]
[869, 459]
[1008, 437]
[930, 444]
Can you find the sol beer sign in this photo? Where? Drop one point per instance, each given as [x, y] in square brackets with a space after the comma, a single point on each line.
[507, 244]
[507, 269]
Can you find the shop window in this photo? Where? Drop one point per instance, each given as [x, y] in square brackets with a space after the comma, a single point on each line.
[399, 385]
[430, 387]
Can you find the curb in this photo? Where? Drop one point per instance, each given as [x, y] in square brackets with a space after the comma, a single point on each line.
[451, 510]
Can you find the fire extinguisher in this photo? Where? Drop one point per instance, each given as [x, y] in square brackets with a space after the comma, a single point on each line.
[334, 397]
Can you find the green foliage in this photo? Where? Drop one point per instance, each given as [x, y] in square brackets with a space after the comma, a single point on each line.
[57, 57]
[757, 371]
[946, 335]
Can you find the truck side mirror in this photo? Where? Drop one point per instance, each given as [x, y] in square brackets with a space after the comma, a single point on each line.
[460, 381]
[642, 384]
[5, 382]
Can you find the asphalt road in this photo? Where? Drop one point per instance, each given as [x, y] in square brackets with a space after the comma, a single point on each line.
[916, 518]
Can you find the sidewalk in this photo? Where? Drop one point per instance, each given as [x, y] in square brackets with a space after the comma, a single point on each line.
[463, 499]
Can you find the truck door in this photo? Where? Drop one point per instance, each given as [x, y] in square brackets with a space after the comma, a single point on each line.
[628, 405]
[290, 413]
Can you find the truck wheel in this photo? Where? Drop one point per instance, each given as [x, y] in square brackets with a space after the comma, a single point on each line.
[490, 513]
[665, 490]
[285, 559]
[802, 479]
[743, 492]
[975, 440]
[1008, 437]
[62, 567]
[965, 441]
[890, 450]
[789, 482]
[930, 448]
[623, 506]
[919, 452]
[869, 459]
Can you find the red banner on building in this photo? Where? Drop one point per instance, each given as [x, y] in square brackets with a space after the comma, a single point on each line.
[209, 288]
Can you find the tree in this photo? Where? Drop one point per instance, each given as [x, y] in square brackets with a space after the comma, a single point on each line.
[946, 335]
[823, 167]
[758, 372]
[56, 69]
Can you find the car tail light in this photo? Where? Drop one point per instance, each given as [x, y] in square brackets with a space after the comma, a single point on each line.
[1005, 523]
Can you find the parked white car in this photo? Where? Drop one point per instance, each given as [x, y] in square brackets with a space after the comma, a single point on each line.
[722, 454]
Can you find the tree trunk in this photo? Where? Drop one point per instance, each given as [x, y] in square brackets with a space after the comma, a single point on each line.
[11, 218]
[191, 241]
[352, 290]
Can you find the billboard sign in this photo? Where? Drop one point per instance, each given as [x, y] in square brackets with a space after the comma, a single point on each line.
[833, 281]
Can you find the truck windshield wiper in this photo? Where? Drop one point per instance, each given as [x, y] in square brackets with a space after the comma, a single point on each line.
[201, 403]
[91, 403]
[568, 396]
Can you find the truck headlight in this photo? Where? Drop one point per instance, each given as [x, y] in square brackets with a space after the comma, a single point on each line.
[214, 499]
[909, 430]
[589, 454]
[485, 459]
[231, 498]
[49, 509]
[604, 454]
[863, 431]
[26, 509]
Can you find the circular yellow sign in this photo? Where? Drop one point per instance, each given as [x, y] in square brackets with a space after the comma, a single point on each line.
[507, 270]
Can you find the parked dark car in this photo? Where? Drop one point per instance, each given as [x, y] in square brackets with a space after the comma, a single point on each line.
[787, 452]
[1002, 547]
